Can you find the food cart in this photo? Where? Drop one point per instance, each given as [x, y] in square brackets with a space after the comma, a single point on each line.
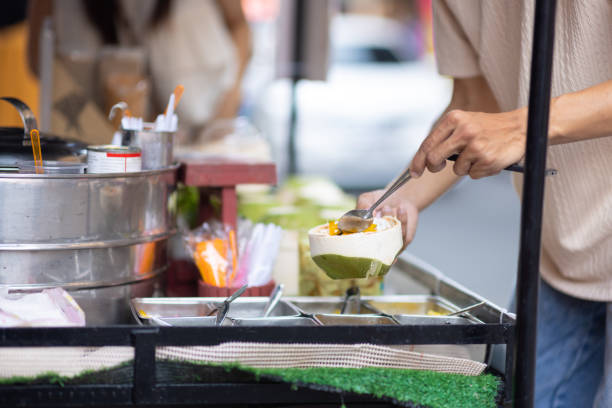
[139, 250]
[150, 381]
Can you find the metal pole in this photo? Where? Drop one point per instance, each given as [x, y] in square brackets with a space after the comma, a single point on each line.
[45, 72]
[296, 75]
[533, 195]
[293, 117]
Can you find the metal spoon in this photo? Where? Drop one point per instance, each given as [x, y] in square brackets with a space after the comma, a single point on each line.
[222, 308]
[273, 299]
[358, 220]
[352, 301]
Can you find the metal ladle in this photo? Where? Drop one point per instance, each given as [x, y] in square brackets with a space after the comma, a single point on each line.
[358, 220]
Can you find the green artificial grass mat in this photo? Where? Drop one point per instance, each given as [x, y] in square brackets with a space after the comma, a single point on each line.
[432, 389]
[119, 374]
[404, 387]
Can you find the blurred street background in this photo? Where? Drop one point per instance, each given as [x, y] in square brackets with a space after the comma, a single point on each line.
[361, 126]
[352, 108]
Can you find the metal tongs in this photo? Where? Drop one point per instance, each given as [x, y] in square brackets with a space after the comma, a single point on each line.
[221, 309]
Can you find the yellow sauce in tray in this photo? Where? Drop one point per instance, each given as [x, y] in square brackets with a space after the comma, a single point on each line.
[412, 308]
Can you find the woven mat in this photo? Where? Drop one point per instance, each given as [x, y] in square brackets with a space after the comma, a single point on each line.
[70, 361]
[266, 355]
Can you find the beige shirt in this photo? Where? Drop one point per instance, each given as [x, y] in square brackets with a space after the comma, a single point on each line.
[493, 39]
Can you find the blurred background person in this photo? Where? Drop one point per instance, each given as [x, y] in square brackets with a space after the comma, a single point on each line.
[15, 78]
[138, 51]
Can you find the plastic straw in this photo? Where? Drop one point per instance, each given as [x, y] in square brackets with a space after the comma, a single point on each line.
[38, 164]
[178, 94]
[168, 121]
[169, 114]
[234, 254]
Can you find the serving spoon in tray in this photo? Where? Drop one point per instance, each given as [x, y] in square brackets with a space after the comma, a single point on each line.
[467, 309]
[221, 309]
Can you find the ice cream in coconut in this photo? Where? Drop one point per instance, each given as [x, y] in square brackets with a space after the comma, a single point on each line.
[358, 255]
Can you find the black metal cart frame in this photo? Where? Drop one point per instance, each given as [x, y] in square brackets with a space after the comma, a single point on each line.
[142, 387]
[528, 279]
[145, 391]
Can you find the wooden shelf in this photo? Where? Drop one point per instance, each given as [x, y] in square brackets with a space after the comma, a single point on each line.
[221, 172]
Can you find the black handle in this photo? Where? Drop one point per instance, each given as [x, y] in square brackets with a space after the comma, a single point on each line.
[513, 167]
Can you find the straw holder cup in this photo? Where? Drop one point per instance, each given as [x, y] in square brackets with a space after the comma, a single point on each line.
[156, 147]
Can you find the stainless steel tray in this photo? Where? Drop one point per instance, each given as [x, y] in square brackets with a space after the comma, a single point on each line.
[353, 320]
[413, 320]
[410, 304]
[324, 305]
[274, 321]
[390, 305]
[292, 311]
[435, 292]
[428, 279]
[200, 321]
[441, 296]
[244, 307]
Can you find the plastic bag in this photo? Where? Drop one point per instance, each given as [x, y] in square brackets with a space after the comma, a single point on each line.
[50, 307]
[227, 259]
[215, 253]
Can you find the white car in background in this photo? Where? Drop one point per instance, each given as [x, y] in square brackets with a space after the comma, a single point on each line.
[364, 124]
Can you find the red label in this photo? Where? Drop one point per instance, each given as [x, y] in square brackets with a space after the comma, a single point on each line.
[122, 154]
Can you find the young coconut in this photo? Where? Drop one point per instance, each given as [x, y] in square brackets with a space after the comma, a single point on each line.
[359, 255]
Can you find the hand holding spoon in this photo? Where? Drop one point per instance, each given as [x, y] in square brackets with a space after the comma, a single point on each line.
[358, 220]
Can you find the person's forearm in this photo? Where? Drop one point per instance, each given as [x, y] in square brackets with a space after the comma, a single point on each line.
[38, 10]
[228, 107]
[468, 94]
[239, 31]
[486, 142]
[427, 188]
[241, 37]
[582, 115]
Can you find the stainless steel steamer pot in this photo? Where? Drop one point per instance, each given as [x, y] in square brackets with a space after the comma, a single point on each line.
[101, 236]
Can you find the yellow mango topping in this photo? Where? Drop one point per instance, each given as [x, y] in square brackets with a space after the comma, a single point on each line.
[371, 228]
[334, 230]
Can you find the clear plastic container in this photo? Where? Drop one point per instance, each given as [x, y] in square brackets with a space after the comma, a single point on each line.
[53, 167]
